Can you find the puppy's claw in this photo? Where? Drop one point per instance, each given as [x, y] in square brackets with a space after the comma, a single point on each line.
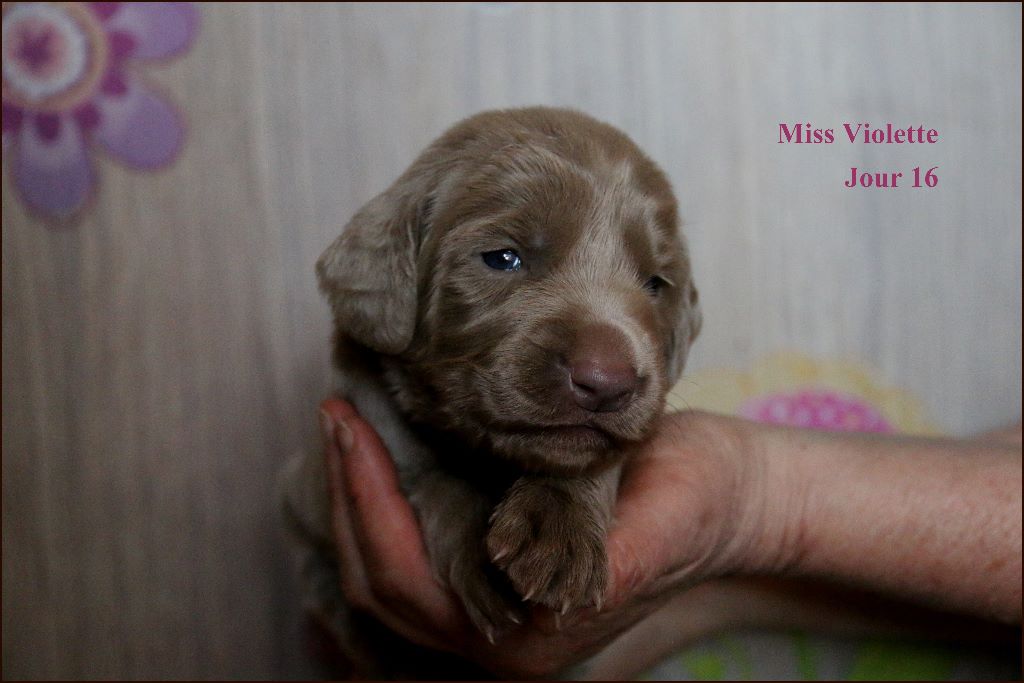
[514, 618]
[489, 634]
[565, 608]
[599, 601]
[558, 621]
[529, 594]
[500, 554]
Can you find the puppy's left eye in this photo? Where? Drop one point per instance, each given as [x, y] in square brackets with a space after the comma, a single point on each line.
[503, 259]
[654, 284]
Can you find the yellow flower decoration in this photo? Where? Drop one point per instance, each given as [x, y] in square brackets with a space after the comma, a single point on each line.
[790, 388]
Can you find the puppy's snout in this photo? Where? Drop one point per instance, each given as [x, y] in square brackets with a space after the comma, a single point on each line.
[602, 378]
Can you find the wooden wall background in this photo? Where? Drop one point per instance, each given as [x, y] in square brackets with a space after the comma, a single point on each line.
[162, 357]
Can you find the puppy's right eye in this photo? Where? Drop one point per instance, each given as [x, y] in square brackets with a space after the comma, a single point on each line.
[503, 259]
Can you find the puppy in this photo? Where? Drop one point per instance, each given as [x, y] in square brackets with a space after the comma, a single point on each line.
[509, 315]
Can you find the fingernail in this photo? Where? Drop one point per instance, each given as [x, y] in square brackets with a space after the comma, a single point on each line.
[326, 425]
[345, 437]
[335, 429]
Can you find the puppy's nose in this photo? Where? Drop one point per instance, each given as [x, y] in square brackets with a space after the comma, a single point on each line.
[601, 377]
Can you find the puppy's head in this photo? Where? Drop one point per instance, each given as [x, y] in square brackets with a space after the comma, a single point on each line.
[527, 283]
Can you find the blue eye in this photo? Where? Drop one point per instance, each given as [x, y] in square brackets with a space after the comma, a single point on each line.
[503, 259]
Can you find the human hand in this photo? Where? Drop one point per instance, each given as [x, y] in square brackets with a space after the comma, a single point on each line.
[684, 514]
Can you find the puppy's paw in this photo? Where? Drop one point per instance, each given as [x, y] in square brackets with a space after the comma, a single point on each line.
[550, 546]
[488, 600]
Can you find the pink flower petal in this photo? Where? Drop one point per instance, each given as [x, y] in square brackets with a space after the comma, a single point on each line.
[138, 127]
[53, 177]
[105, 10]
[122, 45]
[816, 409]
[160, 29]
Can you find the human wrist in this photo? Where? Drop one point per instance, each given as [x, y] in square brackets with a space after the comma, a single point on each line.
[903, 516]
[702, 501]
[741, 525]
[769, 503]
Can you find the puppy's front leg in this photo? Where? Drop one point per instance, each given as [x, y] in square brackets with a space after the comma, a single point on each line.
[453, 516]
[548, 535]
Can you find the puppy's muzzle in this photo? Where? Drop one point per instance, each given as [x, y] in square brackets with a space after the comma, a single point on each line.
[602, 376]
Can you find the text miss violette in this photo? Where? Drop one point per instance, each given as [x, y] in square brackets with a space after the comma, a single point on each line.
[804, 133]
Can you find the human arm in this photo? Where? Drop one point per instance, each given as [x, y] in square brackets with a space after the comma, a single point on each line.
[933, 521]
[693, 506]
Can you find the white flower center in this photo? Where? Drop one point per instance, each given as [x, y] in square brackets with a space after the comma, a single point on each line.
[45, 51]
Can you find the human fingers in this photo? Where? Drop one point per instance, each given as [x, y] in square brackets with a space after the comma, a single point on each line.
[389, 572]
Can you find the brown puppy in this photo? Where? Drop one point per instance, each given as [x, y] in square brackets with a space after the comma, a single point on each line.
[510, 314]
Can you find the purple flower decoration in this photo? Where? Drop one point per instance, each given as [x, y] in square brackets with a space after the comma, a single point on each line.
[67, 84]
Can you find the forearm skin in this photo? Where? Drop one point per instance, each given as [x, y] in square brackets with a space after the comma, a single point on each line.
[933, 521]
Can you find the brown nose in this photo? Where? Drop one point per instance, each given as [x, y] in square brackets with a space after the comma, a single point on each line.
[601, 377]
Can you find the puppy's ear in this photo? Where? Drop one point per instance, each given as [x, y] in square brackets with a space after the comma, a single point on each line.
[685, 332]
[369, 273]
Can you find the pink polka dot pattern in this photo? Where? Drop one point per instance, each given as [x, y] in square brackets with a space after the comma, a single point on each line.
[816, 409]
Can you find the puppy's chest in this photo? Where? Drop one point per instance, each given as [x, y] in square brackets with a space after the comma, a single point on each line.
[486, 472]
